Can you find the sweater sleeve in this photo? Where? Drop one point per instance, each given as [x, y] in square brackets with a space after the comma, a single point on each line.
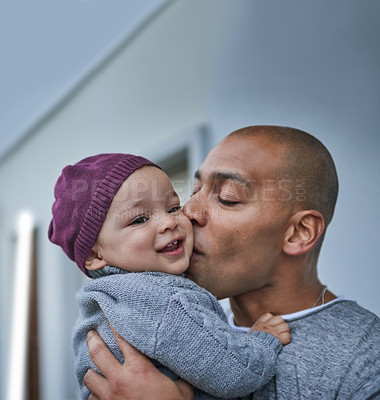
[127, 301]
[198, 345]
[180, 326]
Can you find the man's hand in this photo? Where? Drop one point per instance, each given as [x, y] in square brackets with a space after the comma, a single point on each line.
[274, 325]
[136, 379]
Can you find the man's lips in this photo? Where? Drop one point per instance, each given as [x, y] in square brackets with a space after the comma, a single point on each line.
[197, 250]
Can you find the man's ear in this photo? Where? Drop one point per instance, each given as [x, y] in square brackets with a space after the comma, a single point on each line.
[94, 261]
[305, 228]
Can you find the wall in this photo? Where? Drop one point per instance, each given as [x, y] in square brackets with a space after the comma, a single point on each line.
[155, 89]
[316, 66]
[312, 65]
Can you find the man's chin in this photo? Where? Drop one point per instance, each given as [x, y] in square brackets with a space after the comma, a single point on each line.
[188, 275]
[192, 275]
[197, 271]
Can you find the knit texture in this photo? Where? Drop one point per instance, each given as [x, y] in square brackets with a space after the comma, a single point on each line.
[83, 195]
[181, 326]
[334, 355]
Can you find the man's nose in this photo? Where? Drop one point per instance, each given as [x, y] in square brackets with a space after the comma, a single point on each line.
[194, 209]
[168, 222]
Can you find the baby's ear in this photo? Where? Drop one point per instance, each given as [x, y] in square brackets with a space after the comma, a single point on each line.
[94, 261]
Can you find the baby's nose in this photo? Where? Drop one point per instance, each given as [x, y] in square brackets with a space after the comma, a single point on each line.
[168, 222]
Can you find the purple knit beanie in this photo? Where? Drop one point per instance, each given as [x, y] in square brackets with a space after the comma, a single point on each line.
[83, 195]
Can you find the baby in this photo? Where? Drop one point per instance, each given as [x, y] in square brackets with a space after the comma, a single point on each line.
[118, 217]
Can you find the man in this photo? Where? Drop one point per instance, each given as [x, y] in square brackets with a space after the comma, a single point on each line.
[262, 201]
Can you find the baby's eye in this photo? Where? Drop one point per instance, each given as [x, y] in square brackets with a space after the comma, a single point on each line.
[174, 209]
[139, 220]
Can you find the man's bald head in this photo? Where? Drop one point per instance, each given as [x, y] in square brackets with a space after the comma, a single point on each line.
[303, 161]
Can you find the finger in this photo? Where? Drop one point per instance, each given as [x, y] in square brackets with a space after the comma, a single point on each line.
[275, 320]
[285, 338]
[279, 329]
[100, 354]
[131, 355]
[264, 318]
[283, 328]
[186, 389]
[95, 383]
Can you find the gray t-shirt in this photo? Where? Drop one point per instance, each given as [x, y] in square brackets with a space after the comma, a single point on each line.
[334, 354]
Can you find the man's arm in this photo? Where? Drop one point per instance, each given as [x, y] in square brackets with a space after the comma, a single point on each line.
[136, 379]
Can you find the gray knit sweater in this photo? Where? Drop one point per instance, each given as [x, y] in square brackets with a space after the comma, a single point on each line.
[179, 325]
[334, 354]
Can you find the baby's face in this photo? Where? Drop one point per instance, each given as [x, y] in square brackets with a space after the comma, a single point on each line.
[145, 228]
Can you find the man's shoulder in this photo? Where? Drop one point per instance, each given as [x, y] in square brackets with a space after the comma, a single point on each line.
[344, 313]
[342, 330]
[340, 343]
[344, 322]
[355, 314]
[351, 306]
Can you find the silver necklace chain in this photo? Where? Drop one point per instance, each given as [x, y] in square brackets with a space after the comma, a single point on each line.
[321, 296]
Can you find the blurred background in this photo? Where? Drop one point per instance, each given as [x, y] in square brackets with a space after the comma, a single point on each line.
[168, 79]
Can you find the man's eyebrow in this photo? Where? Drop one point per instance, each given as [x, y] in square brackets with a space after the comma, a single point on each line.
[173, 193]
[230, 176]
[224, 176]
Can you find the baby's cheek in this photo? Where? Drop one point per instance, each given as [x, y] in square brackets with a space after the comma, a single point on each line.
[185, 223]
[188, 245]
[139, 243]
